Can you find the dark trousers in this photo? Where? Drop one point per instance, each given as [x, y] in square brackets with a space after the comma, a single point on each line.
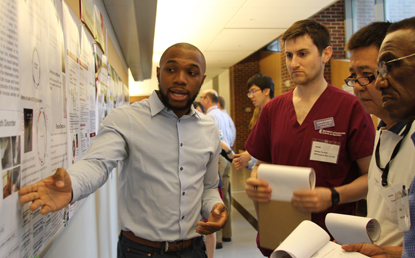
[129, 249]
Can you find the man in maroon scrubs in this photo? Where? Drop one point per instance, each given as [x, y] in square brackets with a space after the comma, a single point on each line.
[295, 128]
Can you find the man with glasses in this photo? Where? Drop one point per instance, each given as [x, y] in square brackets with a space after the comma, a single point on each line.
[395, 79]
[385, 171]
[260, 91]
[315, 125]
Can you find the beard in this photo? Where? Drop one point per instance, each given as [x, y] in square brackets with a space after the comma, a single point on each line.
[165, 100]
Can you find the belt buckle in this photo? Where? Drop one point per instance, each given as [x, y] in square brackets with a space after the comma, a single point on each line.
[166, 246]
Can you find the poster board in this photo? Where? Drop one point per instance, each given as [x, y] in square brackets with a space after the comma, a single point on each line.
[45, 113]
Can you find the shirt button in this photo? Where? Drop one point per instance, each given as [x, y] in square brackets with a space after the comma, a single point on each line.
[183, 193]
[183, 217]
[179, 120]
[181, 168]
[181, 144]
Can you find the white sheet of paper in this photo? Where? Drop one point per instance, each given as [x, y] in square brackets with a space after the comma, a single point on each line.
[304, 241]
[284, 180]
[348, 229]
[309, 240]
[332, 249]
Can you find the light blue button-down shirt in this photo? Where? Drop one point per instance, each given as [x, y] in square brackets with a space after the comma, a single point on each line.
[169, 174]
[221, 121]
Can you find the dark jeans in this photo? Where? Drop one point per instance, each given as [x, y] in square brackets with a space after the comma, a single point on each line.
[129, 249]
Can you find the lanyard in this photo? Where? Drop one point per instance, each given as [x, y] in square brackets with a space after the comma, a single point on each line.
[385, 171]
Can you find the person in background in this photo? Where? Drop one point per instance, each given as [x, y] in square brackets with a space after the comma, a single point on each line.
[209, 99]
[260, 91]
[221, 106]
[364, 49]
[395, 79]
[294, 127]
[169, 174]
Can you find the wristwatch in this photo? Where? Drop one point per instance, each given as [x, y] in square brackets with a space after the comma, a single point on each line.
[335, 197]
[229, 152]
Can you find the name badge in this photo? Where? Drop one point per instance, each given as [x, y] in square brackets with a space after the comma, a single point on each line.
[323, 123]
[325, 152]
[388, 194]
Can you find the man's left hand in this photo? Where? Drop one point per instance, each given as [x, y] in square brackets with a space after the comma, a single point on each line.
[217, 220]
[316, 200]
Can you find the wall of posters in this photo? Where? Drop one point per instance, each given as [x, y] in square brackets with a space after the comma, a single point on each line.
[54, 92]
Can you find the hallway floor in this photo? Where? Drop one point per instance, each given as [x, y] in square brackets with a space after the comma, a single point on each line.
[243, 221]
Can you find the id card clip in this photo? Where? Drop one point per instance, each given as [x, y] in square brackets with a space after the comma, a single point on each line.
[402, 208]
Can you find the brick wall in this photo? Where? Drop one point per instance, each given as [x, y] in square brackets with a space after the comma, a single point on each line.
[238, 76]
[333, 17]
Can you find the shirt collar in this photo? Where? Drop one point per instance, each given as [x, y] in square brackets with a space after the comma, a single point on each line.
[396, 129]
[156, 106]
[212, 107]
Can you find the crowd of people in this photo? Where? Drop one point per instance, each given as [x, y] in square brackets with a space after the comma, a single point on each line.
[180, 151]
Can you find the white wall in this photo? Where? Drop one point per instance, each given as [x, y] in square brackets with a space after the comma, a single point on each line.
[225, 89]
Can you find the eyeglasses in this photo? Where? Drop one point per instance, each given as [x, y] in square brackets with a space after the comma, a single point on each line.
[363, 81]
[252, 92]
[202, 97]
[383, 66]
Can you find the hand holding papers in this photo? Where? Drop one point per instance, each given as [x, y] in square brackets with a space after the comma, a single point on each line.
[309, 240]
[278, 218]
[284, 180]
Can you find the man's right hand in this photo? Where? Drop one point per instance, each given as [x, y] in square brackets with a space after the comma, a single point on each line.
[52, 193]
[258, 190]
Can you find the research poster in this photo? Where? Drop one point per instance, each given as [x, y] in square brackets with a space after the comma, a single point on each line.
[72, 53]
[87, 74]
[54, 92]
[87, 14]
[101, 81]
[32, 121]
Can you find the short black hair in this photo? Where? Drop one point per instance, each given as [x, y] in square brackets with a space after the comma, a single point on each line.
[263, 82]
[370, 35]
[186, 46]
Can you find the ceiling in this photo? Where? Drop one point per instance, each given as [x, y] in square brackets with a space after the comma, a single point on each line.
[226, 31]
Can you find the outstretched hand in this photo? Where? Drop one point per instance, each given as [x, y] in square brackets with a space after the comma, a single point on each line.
[217, 220]
[52, 193]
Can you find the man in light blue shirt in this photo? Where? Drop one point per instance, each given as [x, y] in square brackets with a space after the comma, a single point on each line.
[169, 156]
[209, 99]
[221, 106]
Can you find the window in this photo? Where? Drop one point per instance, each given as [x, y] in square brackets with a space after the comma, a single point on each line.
[396, 10]
[363, 13]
